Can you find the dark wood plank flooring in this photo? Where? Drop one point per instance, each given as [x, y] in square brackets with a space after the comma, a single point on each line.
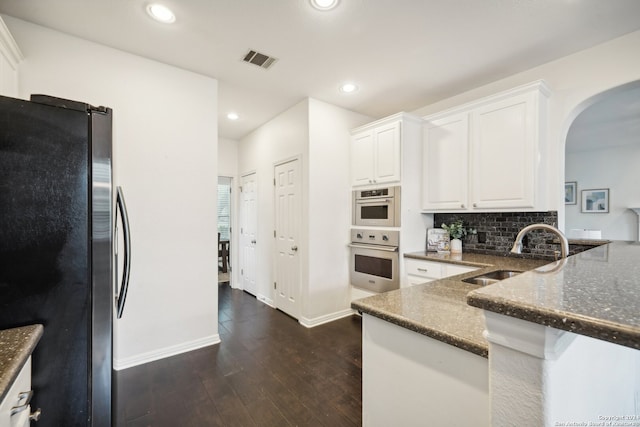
[268, 371]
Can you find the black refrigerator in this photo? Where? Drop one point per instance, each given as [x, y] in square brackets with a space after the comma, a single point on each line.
[58, 215]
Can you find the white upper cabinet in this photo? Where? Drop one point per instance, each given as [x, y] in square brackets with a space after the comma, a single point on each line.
[10, 57]
[362, 158]
[445, 163]
[387, 158]
[376, 153]
[504, 153]
[487, 155]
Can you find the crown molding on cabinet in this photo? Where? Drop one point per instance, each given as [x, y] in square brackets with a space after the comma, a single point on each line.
[389, 119]
[541, 85]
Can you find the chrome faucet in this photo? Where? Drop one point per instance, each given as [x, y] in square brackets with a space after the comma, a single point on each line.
[564, 243]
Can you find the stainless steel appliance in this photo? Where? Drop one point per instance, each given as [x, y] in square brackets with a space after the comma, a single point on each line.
[57, 251]
[379, 207]
[374, 259]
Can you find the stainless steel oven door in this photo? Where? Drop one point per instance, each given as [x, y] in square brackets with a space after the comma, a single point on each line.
[374, 212]
[374, 268]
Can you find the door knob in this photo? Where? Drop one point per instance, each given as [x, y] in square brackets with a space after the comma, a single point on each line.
[294, 248]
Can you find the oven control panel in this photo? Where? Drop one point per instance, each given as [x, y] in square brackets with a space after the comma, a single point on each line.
[375, 237]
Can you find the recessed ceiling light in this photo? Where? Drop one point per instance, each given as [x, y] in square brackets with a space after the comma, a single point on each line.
[324, 4]
[233, 116]
[348, 88]
[161, 13]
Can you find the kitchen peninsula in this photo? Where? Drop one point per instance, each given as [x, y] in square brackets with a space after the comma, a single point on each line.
[562, 343]
[16, 346]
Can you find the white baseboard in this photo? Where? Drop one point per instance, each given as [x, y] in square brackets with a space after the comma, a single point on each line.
[266, 300]
[317, 321]
[173, 350]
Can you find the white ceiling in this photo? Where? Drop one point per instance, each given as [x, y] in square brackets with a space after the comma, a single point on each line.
[403, 54]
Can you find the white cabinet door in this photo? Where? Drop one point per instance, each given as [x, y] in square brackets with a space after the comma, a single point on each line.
[504, 153]
[445, 165]
[387, 159]
[417, 280]
[16, 399]
[488, 154]
[455, 269]
[376, 155]
[362, 158]
[419, 271]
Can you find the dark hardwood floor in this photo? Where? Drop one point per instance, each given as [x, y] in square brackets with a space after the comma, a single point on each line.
[268, 371]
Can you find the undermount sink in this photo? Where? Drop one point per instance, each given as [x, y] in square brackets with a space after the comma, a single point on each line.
[492, 277]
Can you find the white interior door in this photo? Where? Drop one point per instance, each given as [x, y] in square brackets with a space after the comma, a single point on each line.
[248, 231]
[288, 218]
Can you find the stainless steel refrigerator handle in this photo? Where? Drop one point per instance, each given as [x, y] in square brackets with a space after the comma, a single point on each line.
[122, 295]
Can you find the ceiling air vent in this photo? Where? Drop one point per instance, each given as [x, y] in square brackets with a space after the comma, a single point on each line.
[259, 59]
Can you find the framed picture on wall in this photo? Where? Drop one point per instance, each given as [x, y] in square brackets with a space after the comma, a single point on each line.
[570, 191]
[595, 201]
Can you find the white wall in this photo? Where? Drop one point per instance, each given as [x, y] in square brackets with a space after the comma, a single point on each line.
[615, 168]
[329, 211]
[283, 137]
[165, 157]
[318, 133]
[575, 80]
[411, 380]
[542, 376]
[227, 157]
[10, 58]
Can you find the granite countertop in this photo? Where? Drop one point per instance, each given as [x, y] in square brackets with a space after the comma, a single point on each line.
[587, 242]
[490, 262]
[439, 309]
[594, 293]
[16, 345]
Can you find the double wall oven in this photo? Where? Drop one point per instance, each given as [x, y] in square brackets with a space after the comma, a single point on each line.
[374, 250]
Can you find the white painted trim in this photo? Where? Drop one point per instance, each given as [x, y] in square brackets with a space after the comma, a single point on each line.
[8, 46]
[162, 353]
[540, 341]
[268, 301]
[250, 172]
[401, 117]
[317, 321]
[539, 85]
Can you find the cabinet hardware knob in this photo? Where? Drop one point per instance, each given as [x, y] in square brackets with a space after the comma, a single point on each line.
[294, 248]
[25, 396]
[462, 205]
[35, 415]
[475, 205]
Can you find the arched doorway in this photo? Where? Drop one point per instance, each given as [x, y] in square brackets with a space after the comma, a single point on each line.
[602, 154]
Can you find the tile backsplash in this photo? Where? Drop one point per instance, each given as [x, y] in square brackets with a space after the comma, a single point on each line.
[497, 231]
